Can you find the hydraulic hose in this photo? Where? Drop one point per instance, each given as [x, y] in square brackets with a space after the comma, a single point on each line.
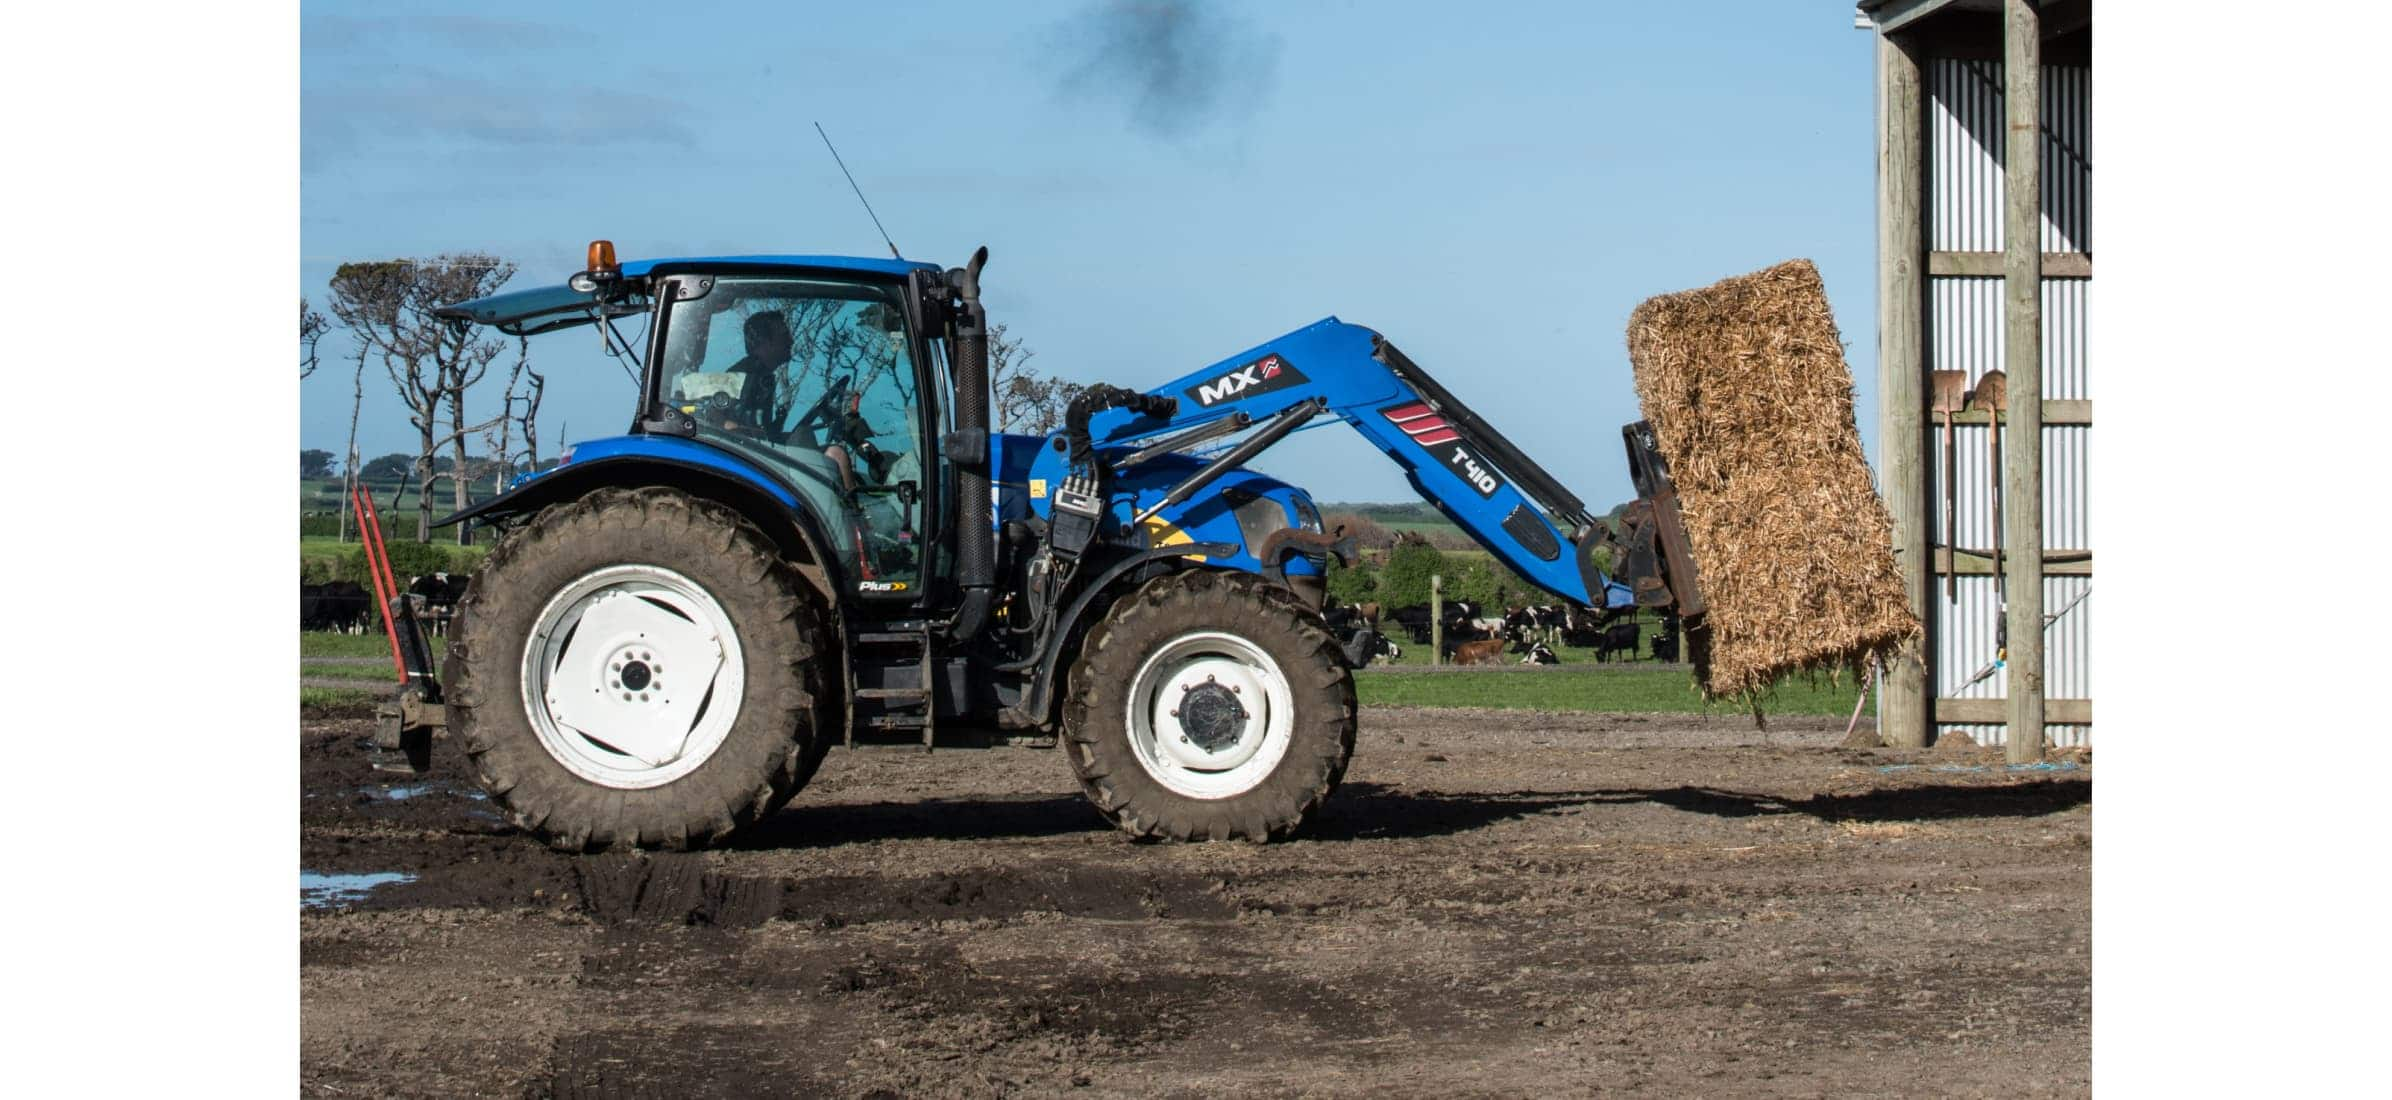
[1098, 398]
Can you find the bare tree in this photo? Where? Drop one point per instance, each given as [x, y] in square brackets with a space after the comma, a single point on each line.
[349, 457]
[501, 432]
[388, 304]
[1026, 401]
[311, 329]
[535, 387]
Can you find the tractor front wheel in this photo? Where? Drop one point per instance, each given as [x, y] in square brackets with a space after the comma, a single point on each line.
[1209, 705]
[638, 668]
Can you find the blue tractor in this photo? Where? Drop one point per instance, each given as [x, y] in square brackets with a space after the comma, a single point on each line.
[810, 534]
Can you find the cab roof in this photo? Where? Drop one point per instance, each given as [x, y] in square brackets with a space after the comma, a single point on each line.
[549, 308]
[836, 263]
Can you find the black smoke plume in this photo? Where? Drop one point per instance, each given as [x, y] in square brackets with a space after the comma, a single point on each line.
[1176, 66]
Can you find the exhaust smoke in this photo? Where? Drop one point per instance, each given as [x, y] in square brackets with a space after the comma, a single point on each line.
[1176, 66]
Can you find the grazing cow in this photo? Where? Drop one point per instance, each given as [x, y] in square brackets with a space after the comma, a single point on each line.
[1356, 629]
[1462, 622]
[1367, 646]
[338, 605]
[1486, 652]
[1617, 638]
[1538, 654]
[1665, 641]
[434, 597]
[1524, 625]
[1550, 620]
[311, 598]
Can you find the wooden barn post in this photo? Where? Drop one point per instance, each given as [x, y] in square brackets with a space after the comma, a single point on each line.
[2022, 310]
[1905, 707]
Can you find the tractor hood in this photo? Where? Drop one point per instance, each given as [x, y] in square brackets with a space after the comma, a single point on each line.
[1242, 509]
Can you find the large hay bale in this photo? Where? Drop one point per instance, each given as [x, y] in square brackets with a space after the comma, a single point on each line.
[1750, 400]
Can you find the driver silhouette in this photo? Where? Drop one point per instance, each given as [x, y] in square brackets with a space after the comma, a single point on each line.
[769, 347]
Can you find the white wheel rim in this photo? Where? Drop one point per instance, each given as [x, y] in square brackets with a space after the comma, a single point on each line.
[1229, 750]
[632, 676]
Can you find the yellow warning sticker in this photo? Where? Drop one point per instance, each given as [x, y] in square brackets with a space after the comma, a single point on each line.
[1162, 533]
[1038, 488]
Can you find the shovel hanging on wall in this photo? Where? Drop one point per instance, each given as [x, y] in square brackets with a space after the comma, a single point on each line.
[1947, 391]
[1993, 396]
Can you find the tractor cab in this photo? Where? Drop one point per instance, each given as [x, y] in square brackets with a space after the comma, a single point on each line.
[817, 380]
[812, 377]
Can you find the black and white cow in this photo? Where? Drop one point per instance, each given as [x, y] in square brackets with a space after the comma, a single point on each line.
[1616, 638]
[337, 605]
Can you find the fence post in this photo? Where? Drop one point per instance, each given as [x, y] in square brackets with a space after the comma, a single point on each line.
[1436, 619]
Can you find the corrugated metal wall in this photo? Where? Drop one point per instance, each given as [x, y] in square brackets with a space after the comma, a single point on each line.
[1965, 149]
[1964, 333]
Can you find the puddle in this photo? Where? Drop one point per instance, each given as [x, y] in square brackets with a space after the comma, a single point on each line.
[2045, 766]
[401, 794]
[321, 891]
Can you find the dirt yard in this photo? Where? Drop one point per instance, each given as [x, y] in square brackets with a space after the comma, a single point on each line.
[1495, 903]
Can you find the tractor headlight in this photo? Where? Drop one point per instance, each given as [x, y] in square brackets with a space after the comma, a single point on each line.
[1307, 516]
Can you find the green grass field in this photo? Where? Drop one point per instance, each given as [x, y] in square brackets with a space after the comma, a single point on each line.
[1576, 685]
[1590, 688]
[342, 698]
[379, 675]
[317, 643]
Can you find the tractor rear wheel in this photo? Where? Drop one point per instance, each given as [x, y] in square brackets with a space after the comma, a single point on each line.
[1209, 705]
[638, 668]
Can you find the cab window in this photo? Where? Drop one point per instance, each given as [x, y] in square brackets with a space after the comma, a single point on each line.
[814, 377]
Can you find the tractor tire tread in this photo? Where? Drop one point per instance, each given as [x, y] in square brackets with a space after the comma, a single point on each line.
[773, 748]
[1096, 740]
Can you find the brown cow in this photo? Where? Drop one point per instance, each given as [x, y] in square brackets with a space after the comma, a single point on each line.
[1479, 653]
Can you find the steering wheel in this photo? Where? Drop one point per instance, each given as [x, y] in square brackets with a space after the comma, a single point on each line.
[822, 413]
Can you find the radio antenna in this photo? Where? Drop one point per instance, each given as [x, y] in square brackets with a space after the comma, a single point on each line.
[859, 192]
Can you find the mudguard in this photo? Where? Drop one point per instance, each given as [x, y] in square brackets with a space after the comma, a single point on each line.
[626, 461]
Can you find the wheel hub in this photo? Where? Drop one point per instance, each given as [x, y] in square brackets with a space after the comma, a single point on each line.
[636, 674]
[1209, 714]
[1212, 716]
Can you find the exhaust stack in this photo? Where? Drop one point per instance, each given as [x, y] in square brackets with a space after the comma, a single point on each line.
[967, 448]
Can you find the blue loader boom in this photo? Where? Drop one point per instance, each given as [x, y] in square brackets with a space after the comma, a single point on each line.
[1455, 461]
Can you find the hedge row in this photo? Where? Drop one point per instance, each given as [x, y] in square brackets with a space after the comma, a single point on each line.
[407, 559]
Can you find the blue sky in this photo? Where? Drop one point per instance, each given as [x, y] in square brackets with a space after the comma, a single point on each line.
[1494, 187]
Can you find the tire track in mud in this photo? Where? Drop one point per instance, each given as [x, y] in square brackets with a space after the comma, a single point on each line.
[688, 889]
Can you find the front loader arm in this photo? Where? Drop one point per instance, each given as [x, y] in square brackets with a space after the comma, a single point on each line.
[1454, 460]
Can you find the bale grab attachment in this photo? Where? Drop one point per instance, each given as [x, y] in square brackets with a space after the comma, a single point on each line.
[405, 723]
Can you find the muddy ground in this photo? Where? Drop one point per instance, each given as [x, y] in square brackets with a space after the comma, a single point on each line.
[1496, 903]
